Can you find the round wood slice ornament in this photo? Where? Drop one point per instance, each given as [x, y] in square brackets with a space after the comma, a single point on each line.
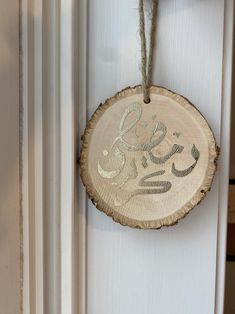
[147, 165]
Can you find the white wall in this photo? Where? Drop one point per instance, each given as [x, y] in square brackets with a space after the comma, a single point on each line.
[9, 159]
[171, 271]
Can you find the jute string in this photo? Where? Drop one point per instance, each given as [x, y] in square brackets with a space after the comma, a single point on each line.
[147, 63]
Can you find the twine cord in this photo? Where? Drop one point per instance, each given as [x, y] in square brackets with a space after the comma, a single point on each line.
[147, 63]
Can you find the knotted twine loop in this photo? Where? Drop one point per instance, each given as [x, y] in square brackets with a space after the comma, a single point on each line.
[147, 65]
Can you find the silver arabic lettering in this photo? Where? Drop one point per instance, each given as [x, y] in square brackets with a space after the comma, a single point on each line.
[121, 144]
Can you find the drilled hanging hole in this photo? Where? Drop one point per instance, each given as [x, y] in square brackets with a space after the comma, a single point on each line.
[147, 101]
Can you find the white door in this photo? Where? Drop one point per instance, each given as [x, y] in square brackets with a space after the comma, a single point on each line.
[77, 260]
[173, 270]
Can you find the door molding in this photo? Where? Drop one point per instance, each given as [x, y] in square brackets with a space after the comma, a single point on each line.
[224, 156]
[48, 153]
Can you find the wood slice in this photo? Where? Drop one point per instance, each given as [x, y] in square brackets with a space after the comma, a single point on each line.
[147, 165]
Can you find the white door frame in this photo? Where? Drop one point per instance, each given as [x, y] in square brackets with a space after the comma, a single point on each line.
[54, 47]
[48, 155]
[225, 153]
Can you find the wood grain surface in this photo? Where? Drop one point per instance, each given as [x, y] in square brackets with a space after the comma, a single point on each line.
[147, 165]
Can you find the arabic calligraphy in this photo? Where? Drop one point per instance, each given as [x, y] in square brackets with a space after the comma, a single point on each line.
[113, 173]
[182, 173]
[149, 183]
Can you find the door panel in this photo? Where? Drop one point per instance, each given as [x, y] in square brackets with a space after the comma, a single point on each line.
[172, 270]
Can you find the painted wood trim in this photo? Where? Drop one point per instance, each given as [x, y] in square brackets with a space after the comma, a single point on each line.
[51, 155]
[67, 158]
[48, 156]
[225, 148]
[31, 41]
[82, 77]
[25, 159]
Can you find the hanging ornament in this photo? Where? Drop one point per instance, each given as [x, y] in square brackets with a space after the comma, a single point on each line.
[148, 155]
